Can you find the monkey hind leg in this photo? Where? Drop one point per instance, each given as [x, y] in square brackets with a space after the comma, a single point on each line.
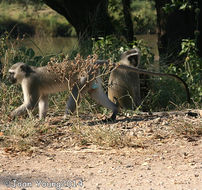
[101, 98]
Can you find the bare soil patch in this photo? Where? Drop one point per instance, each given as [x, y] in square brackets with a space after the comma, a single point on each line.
[159, 151]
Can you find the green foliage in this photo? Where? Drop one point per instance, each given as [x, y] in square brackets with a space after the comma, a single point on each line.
[191, 71]
[167, 93]
[24, 2]
[143, 16]
[35, 19]
[144, 19]
[111, 47]
[12, 52]
[177, 5]
[140, 4]
[147, 57]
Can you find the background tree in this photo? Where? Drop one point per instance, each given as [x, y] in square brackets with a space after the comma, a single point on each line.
[177, 20]
[128, 20]
[90, 18]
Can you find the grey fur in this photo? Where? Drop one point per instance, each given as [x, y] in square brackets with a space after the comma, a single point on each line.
[38, 82]
[124, 85]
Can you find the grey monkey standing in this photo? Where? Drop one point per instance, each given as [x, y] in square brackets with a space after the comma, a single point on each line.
[124, 85]
[124, 81]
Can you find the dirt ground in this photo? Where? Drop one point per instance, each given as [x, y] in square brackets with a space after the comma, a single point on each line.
[169, 161]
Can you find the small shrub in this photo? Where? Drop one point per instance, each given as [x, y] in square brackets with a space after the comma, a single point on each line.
[145, 20]
[191, 70]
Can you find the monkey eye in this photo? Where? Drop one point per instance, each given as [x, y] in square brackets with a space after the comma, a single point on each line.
[11, 73]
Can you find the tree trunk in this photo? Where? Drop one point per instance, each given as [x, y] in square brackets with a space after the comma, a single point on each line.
[173, 27]
[89, 17]
[199, 40]
[129, 33]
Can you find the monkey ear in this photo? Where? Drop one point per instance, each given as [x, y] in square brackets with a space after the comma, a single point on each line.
[26, 68]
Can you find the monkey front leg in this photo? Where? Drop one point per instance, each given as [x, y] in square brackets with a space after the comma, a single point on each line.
[43, 106]
[21, 110]
[73, 101]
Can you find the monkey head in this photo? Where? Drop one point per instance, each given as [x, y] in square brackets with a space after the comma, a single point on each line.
[18, 72]
[131, 57]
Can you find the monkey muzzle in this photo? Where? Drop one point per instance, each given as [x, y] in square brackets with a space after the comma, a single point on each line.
[11, 78]
[133, 60]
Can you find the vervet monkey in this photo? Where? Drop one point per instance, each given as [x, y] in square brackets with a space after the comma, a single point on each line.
[124, 82]
[124, 85]
[38, 82]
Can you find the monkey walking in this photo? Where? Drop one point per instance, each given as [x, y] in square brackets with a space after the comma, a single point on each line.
[124, 81]
[38, 82]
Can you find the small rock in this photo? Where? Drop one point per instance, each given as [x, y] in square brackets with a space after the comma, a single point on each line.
[200, 113]
[145, 164]
[164, 123]
[157, 120]
[192, 114]
[148, 159]
[129, 166]
[178, 174]
[162, 158]
[185, 154]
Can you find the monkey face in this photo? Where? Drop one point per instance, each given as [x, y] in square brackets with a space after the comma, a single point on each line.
[16, 73]
[133, 59]
[12, 79]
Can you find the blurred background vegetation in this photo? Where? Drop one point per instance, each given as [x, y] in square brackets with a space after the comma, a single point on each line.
[35, 18]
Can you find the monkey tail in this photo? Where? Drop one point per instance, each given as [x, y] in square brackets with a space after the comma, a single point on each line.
[185, 85]
[140, 71]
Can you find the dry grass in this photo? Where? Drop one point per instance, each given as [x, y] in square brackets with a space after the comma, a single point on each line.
[189, 127]
[30, 135]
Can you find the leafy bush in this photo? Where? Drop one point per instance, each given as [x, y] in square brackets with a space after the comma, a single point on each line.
[191, 71]
[144, 19]
[143, 16]
[111, 47]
